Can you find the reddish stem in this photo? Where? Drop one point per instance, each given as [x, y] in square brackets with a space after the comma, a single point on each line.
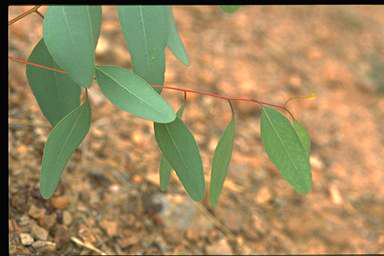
[185, 90]
[226, 97]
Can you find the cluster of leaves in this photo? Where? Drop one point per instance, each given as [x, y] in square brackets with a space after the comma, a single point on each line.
[69, 41]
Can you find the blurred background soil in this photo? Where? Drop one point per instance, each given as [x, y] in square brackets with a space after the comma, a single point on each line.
[109, 199]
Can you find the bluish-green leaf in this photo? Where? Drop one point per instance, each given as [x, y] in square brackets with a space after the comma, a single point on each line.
[71, 34]
[146, 30]
[285, 149]
[64, 138]
[56, 93]
[303, 135]
[230, 8]
[179, 147]
[131, 93]
[174, 41]
[220, 162]
[165, 167]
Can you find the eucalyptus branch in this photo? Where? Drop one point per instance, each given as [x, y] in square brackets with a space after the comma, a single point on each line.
[286, 142]
[185, 90]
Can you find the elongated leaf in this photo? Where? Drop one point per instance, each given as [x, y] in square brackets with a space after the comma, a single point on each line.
[303, 135]
[165, 167]
[174, 41]
[220, 162]
[131, 93]
[179, 147]
[285, 149]
[64, 138]
[230, 8]
[71, 34]
[56, 93]
[146, 30]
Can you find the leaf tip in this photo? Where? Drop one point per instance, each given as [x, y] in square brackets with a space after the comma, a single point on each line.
[45, 193]
[213, 202]
[185, 59]
[198, 194]
[168, 117]
[304, 189]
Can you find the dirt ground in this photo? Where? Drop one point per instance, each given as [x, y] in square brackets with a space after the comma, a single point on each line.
[109, 199]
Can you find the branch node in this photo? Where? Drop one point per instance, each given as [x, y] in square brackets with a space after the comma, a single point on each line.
[40, 14]
[232, 109]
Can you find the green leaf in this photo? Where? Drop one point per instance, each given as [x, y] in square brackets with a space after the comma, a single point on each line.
[146, 30]
[303, 135]
[220, 162]
[230, 8]
[179, 147]
[131, 93]
[165, 167]
[285, 149]
[174, 41]
[165, 173]
[71, 34]
[56, 93]
[64, 138]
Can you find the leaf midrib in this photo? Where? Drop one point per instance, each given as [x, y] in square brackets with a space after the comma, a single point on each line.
[68, 26]
[69, 135]
[56, 89]
[187, 166]
[130, 92]
[281, 141]
[146, 51]
[219, 183]
[230, 145]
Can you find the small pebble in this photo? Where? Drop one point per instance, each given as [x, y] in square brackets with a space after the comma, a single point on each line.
[263, 196]
[61, 235]
[26, 239]
[44, 245]
[295, 81]
[47, 221]
[193, 233]
[22, 149]
[39, 232]
[24, 220]
[137, 137]
[60, 202]
[220, 247]
[36, 212]
[316, 162]
[67, 218]
[129, 240]
[110, 227]
[137, 179]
